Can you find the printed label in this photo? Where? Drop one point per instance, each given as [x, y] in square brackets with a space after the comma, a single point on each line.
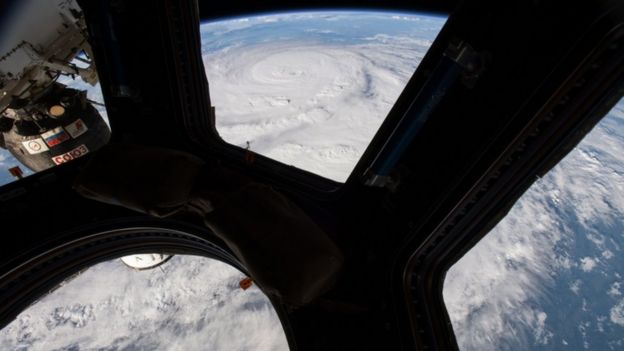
[76, 129]
[55, 136]
[73, 154]
[35, 146]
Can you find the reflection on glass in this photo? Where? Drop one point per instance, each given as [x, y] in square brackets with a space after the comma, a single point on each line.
[311, 89]
[550, 275]
[186, 303]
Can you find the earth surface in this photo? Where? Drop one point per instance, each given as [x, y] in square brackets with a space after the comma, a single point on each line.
[311, 89]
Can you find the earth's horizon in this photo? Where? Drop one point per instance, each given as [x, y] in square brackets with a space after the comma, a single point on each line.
[310, 89]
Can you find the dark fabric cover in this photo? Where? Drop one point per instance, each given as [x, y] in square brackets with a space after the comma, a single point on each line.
[149, 180]
[286, 253]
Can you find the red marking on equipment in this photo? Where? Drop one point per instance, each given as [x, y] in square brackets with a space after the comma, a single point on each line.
[76, 128]
[55, 136]
[16, 172]
[246, 283]
[68, 156]
[249, 157]
[34, 146]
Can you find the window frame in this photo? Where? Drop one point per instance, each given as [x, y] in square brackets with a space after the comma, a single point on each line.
[552, 133]
[287, 176]
[41, 271]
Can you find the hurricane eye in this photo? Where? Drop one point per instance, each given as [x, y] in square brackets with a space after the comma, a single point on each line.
[311, 89]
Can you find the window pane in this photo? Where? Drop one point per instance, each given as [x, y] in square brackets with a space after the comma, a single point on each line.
[311, 89]
[51, 106]
[185, 303]
[550, 275]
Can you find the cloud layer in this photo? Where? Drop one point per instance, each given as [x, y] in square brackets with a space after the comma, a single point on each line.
[313, 99]
[188, 303]
[549, 274]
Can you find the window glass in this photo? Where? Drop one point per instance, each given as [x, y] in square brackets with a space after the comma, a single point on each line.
[51, 106]
[310, 89]
[149, 302]
[550, 275]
